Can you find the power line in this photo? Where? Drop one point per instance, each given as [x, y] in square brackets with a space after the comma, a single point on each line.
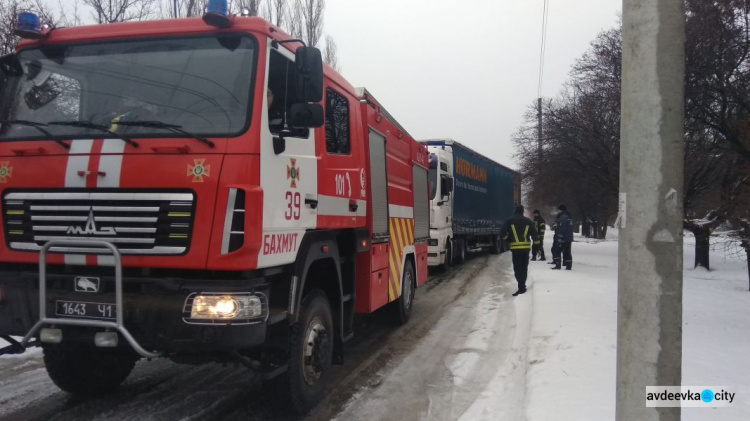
[543, 46]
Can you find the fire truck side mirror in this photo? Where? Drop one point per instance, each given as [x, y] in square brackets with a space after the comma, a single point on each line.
[309, 64]
[306, 115]
[10, 66]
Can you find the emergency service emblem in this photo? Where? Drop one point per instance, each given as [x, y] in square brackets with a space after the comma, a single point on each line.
[5, 171]
[292, 173]
[198, 170]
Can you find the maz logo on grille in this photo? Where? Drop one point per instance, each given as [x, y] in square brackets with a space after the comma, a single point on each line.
[90, 228]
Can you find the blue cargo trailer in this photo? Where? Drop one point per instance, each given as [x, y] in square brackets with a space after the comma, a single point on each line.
[471, 196]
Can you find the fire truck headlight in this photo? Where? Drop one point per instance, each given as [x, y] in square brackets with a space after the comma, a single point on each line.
[212, 306]
[433, 242]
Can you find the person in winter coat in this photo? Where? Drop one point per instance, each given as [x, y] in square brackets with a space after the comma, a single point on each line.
[541, 226]
[519, 231]
[563, 239]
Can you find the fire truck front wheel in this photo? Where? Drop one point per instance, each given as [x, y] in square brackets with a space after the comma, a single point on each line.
[311, 350]
[85, 370]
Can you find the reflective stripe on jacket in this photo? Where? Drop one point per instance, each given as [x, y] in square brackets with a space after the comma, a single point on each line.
[541, 226]
[520, 243]
[520, 231]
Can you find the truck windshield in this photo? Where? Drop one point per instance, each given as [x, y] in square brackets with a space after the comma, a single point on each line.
[201, 84]
[433, 175]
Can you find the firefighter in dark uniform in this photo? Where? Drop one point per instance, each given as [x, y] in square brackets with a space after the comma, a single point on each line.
[519, 231]
[541, 226]
[563, 239]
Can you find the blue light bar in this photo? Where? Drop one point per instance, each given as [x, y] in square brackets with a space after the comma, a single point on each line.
[217, 14]
[28, 26]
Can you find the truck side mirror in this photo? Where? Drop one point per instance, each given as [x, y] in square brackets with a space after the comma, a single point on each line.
[306, 115]
[309, 64]
[10, 65]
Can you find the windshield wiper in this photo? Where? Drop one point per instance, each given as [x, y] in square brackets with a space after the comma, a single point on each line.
[172, 127]
[90, 125]
[38, 126]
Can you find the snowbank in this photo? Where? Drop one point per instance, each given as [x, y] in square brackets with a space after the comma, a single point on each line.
[572, 345]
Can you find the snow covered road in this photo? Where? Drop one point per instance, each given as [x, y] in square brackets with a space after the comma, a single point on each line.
[459, 338]
[470, 352]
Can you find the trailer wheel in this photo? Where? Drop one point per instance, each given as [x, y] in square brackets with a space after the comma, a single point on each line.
[448, 255]
[85, 370]
[461, 251]
[404, 303]
[311, 349]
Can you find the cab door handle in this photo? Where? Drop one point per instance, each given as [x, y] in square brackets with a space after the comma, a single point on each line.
[353, 206]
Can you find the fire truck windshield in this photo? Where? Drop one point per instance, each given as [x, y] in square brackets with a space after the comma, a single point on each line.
[202, 85]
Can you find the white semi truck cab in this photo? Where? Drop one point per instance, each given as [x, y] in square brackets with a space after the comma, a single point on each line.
[441, 248]
[471, 196]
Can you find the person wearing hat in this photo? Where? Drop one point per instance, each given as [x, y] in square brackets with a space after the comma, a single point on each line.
[520, 231]
[541, 226]
[563, 239]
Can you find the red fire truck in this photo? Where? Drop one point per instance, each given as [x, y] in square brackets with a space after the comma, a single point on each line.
[201, 190]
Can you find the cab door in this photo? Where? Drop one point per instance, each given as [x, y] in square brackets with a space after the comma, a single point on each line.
[342, 177]
[289, 178]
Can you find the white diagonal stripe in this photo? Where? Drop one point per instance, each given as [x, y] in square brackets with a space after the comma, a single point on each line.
[78, 160]
[111, 163]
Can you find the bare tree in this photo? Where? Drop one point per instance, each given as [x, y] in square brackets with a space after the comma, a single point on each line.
[110, 11]
[312, 20]
[276, 11]
[331, 54]
[252, 6]
[9, 10]
[8, 15]
[296, 26]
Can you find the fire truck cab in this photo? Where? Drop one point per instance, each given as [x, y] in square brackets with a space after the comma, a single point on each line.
[201, 190]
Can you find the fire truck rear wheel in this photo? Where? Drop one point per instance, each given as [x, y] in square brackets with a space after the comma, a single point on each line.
[311, 350]
[85, 370]
[405, 302]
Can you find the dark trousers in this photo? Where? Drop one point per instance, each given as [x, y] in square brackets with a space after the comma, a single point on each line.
[521, 267]
[567, 255]
[562, 248]
[538, 249]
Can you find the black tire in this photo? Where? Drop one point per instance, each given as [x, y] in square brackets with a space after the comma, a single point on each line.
[448, 256]
[460, 251]
[304, 383]
[497, 245]
[86, 370]
[405, 302]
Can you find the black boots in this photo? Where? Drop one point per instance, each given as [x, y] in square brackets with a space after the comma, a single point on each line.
[556, 262]
[519, 292]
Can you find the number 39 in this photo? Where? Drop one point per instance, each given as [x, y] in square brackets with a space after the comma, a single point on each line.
[293, 206]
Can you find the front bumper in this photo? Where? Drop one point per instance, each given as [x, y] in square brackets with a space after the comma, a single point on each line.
[153, 309]
[435, 255]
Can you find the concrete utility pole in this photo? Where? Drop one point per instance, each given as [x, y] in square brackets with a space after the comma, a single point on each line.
[539, 147]
[539, 129]
[649, 317]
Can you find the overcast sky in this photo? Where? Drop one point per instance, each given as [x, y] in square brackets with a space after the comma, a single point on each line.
[464, 69]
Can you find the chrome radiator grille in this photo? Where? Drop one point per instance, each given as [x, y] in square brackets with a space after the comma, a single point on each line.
[136, 222]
